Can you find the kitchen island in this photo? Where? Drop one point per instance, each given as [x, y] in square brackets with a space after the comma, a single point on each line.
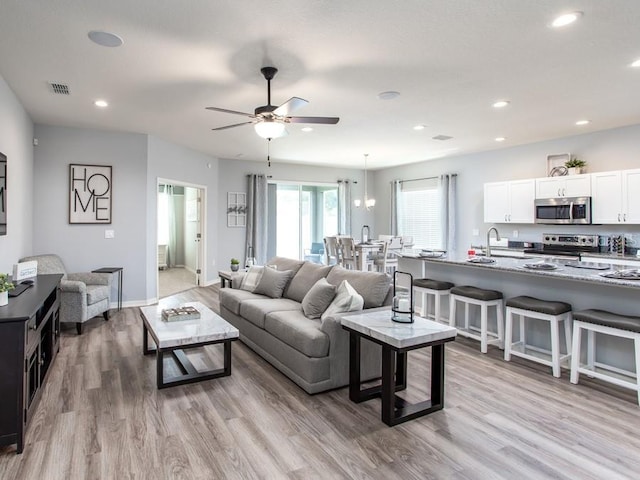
[581, 288]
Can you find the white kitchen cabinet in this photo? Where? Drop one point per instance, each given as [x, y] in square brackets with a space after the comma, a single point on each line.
[509, 202]
[566, 186]
[615, 197]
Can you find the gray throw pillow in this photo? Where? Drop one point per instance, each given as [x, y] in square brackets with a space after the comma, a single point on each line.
[251, 279]
[318, 298]
[273, 282]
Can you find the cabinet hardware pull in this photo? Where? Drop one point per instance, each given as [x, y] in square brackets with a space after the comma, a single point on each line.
[618, 217]
[558, 192]
[624, 217]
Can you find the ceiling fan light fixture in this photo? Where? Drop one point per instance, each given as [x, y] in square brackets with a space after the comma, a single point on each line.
[270, 129]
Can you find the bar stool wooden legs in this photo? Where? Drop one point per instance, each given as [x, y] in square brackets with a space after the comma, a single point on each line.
[484, 298]
[607, 323]
[439, 289]
[552, 312]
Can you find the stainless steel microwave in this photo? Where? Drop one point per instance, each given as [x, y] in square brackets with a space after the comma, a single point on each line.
[563, 210]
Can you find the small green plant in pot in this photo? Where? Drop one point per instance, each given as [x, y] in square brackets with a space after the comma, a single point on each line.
[235, 264]
[575, 165]
[5, 286]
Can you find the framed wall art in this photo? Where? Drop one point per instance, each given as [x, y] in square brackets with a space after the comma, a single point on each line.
[236, 209]
[90, 194]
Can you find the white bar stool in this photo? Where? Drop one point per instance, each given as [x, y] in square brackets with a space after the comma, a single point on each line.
[484, 298]
[550, 311]
[437, 288]
[607, 323]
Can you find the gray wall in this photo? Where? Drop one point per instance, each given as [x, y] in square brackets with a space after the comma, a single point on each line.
[84, 247]
[615, 149]
[16, 137]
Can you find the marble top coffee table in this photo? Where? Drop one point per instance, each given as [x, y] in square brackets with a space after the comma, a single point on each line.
[396, 340]
[173, 337]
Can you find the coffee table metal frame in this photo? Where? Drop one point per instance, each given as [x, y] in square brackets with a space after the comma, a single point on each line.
[396, 410]
[189, 372]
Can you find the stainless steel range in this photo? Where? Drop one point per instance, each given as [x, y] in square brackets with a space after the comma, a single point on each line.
[566, 245]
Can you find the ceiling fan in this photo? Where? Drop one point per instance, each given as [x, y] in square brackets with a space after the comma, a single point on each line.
[269, 120]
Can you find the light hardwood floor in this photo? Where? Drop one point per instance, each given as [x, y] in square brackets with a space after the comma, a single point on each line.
[101, 417]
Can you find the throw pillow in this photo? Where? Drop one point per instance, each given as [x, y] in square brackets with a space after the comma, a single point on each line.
[251, 279]
[346, 300]
[318, 298]
[273, 282]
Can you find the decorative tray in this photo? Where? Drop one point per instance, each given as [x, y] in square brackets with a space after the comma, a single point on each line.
[629, 274]
[540, 266]
[485, 260]
[432, 253]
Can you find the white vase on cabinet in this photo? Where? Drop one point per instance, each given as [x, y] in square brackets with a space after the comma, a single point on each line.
[4, 298]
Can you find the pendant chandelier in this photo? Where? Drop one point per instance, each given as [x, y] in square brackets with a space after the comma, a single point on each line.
[369, 203]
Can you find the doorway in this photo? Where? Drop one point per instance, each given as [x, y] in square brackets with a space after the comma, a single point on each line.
[180, 236]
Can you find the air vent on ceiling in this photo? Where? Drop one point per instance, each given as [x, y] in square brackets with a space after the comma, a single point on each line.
[59, 88]
[442, 137]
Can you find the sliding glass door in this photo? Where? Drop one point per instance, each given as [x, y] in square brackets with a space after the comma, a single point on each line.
[304, 215]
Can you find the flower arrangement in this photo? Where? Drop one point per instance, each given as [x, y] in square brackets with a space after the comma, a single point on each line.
[5, 284]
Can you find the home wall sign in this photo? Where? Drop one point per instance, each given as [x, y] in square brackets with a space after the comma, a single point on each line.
[3, 194]
[236, 209]
[90, 193]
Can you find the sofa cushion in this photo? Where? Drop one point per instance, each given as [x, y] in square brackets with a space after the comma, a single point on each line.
[299, 332]
[273, 282]
[346, 300]
[256, 310]
[97, 293]
[232, 298]
[304, 279]
[282, 263]
[251, 279]
[373, 286]
[318, 298]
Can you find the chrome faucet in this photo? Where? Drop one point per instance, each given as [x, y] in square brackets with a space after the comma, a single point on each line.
[488, 251]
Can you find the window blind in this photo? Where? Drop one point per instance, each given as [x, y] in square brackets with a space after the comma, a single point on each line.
[419, 213]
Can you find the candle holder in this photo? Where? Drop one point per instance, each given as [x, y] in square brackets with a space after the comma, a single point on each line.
[402, 305]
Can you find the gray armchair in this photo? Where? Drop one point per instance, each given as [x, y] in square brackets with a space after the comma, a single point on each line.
[82, 295]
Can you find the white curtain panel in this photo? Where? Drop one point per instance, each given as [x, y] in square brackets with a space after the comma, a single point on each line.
[256, 241]
[448, 194]
[396, 188]
[344, 207]
[172, 253]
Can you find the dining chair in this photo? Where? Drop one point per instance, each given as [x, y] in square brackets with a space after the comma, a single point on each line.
[349, 254]
[332, 250]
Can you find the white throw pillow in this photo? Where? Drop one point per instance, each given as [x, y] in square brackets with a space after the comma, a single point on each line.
[346, 300]
[252, 278]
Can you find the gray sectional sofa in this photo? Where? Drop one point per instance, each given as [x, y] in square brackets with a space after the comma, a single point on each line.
[313, 352]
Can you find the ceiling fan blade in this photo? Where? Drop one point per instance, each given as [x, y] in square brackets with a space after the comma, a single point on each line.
[232, 126]
[294, 103]
[224, 110]
[324, 120]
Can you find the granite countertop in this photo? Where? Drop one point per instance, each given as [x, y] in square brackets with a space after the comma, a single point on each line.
[517, 265]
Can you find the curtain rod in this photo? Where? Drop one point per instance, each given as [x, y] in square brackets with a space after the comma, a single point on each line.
[426, 178]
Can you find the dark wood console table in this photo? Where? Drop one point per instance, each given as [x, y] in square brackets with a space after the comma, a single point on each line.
[29, 342]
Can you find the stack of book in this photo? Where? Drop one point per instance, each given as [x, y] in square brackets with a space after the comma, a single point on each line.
[180, 313]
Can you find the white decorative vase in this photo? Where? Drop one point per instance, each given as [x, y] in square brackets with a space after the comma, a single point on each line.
[574, 170]
[4, 298]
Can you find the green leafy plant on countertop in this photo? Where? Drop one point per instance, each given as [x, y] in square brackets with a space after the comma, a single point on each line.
[575, 163]
[5, 284]
[235, 261]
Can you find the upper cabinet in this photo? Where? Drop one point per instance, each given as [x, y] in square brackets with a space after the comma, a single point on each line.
[509, 202]
[566, 186]
[616, 197]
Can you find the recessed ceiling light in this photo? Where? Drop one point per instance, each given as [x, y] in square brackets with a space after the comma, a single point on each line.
[307, 129]
[501, 103]
[389, 95]
[419, 127]
[565, 19]
[105, 39]
[583, 122]
[636, 63]
[101, 103]
[500, 139]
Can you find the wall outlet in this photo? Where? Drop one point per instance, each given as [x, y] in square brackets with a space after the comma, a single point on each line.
[475, 232]
[515, 234]
[109, 234]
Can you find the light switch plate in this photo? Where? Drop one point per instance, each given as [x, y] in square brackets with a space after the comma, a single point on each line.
[475, 232]
[109, 234]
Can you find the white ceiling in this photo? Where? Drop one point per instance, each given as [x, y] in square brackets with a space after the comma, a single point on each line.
[449, 59]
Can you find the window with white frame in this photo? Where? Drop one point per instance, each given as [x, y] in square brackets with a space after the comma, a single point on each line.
[419, 213]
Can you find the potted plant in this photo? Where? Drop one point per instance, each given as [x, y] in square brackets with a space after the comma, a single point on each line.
[235, 264]
[575, 165]
[5, 286]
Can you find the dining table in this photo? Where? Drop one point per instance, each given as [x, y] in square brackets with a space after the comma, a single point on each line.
[364, 251]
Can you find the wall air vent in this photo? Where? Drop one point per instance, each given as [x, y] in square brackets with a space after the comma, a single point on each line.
[442, 137]
[59, 88]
